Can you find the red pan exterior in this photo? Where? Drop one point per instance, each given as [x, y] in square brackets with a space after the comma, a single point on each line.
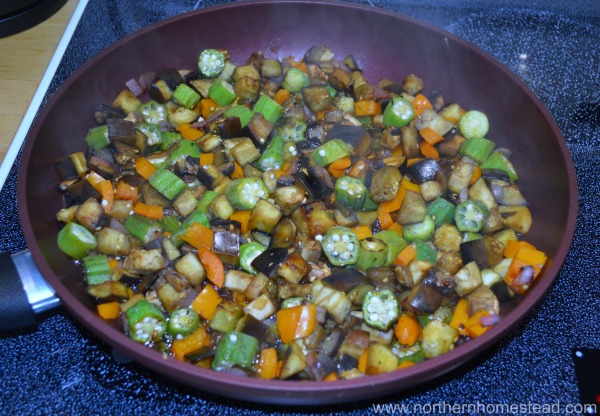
[385, 44]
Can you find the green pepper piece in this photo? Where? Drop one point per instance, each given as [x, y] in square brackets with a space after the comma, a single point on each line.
[350, 192]
[211, 63]
[269, 108]
[167, 183]
[244, 193]
[473, 124]
[398, 113]
[477, 148]
[97, 137]
[170, 224]
[182, 322]
[272, 156]
[441, 211]
[395, 244]
[142, 228]
[168, 138]
[146, 322]
[184, 149]
[186, 96]
[248, 252]
[371, 253]
[420, 231]
[330, 151]
[236, 348]
[470, 236]
[221, 92]
[425, 252]
[369, 204]
[499, 161]
[97, 269]
[205, 200]
[241, 112]
[380, 309]
[470, 215]
[75, 240]
[153, 112]
[413, 354]
[340, 245]
[294, 80]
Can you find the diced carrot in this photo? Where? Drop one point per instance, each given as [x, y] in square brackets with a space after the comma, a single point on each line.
[341, 163]
[397, 228]
[154, 212]
[512, 247]
[188, 132]
[428, 150]
[207, 159]
[238, 172]
[206, 302]
[420, 103]
[198, 235]
[108, 194]
[406, 256]
[197, 340]
[299, 64]
[396, 203]
[267, 363]
[362, 231]
[94, 179]
[430, 135]
[242, 217]
[358, 169]
[109, 310]
[407, 330]
[362, 361]
[367, 108]
[413, 160]
[385, 219]
[112, 264]
[144, 168]
[474, 327]
[336, 173]
[405, 364]
[331, 377]
[476, 175]
[296, 322]
[460, 317]
[411, 186]
[282, 95]
[207, 106]
[215, 272]
[126, 192]
[526, 256]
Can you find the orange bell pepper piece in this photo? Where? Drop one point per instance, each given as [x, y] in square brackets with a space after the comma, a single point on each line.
[154, 212]
[188, 132]
[242, 217]
[526, 256]
[296, 322]
[367, 108]
[407, 330]
[126, 192]
[215, 272]
[198, 235]
[238, 172]
[428, 150]
[282, 95]
[206, 302]
[362, 361]
[406, 256]
[385, 219]
[267, 364]
[207, 159]
[460, 317]
[410, 186]
[430, 135]
[207, 106]
[420, 103]
[144, 168]
[362, 231]
[195, 341]
[109, 310]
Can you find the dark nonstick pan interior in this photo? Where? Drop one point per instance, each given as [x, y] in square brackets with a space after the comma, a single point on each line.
[384, 44]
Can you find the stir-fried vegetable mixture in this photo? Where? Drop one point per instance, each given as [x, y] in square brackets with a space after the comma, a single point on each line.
[289, 219]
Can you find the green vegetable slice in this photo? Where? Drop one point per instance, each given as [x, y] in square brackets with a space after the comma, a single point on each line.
[146, 322]
[470, 215]
[398, 113]
[211, 62]
[75, 240]
[340, 245]
[473, 124]
[248, 252]
[182, 322]
[153, 112]
[244, 193]
[380, 309]
[350, 192]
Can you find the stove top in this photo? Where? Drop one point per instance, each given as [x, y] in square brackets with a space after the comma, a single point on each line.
[544, 365]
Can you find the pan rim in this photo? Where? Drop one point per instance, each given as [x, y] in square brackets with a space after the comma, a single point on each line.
[279, 391]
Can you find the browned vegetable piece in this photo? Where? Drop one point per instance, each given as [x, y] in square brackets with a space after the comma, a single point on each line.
[412, 210]
[517, 217]
[385, 184]
[355, 344]
[482, 299]
[90, 214]
[294, 268]
[423, 298]
[412, 84]
[259, 128]
[317, 98]
[247, 88]
[312, 219]
[449, 261]
[284, 234]
[450, 146]
[110, 290]
[410, 142]
[340, 79]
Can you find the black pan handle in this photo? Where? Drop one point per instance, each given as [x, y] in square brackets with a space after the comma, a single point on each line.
[23, 291]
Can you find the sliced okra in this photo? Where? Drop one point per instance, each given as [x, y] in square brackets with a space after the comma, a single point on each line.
[380, 309]
[146, 322]
[340, 245]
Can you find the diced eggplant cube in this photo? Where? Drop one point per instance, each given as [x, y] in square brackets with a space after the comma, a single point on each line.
[294, 268]
[423, 298]
[269, 261]
[226, 245]
[264, 217]
[261, 308]
[482, 299]
[190, 267]
[468, 279]
[127, 101]
[90, 214]
[237, 280]
[486, 252]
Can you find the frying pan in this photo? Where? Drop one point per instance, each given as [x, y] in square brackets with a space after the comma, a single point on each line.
[384, 44]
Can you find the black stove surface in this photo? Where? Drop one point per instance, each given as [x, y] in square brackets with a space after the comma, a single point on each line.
[61, 368]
